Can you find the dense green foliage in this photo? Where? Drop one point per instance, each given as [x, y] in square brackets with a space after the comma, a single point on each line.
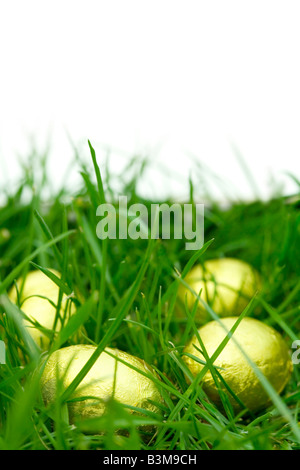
[127, 300]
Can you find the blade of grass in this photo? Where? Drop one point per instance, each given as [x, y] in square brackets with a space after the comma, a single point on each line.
[16, 271]
[104, 247]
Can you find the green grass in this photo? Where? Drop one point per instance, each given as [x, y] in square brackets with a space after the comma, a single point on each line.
[127, 300]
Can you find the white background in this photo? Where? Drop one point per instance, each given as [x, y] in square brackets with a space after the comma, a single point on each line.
[165, 78]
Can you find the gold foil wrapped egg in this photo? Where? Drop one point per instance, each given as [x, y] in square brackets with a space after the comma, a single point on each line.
[262, 344]
[226, 284]
[38, 301]
[107, 378]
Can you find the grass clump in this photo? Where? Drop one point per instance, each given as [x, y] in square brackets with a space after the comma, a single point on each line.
[125, 295]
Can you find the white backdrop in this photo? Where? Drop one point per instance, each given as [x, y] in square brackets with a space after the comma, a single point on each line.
[163, 77]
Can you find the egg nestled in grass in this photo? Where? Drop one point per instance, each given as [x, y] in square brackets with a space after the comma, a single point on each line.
[226, 285]
[38, 297]
[262, 344]
[107, 378]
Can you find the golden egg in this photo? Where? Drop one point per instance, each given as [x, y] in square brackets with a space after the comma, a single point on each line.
[226, 284]
[262, 344]
[38, 301]
[107, 378]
